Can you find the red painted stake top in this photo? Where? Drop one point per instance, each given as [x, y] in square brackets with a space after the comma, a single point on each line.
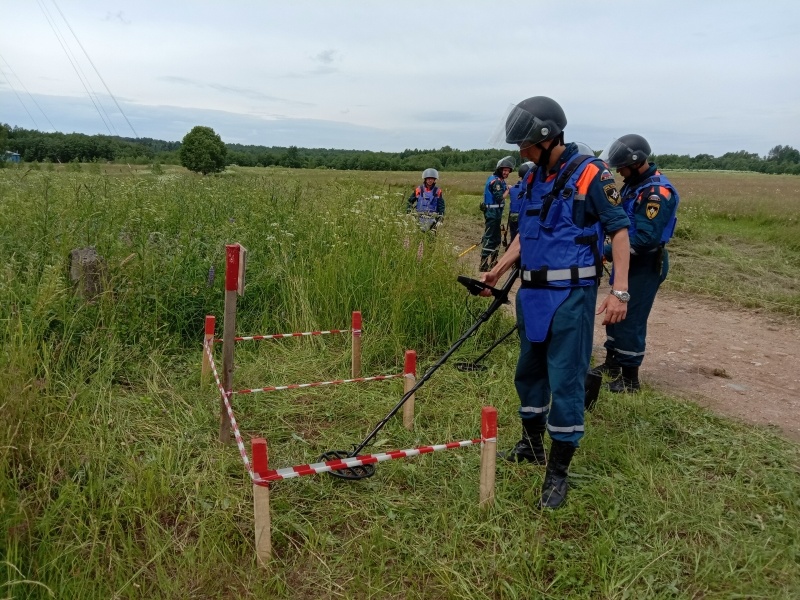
[488, 422]
[411, 363]
[211, 323]
[260, 463]
[356, 322]
[232, 267]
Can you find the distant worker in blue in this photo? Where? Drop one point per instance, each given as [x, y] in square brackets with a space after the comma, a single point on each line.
[572, 202]
[651, 203]
[515, 194]
[495, 193]
[428, 201]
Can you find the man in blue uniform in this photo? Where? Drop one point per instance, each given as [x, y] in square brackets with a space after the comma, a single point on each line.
[428, 201]
[515, 195]
[651, 202]
[570, 203]
[494, 200]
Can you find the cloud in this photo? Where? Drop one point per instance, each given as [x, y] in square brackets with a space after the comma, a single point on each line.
[171, 123]
[117, 16]
[447, 116]
[249, 93]
[326, 56]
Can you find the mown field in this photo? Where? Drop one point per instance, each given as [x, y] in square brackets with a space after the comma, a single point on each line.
[112, 484]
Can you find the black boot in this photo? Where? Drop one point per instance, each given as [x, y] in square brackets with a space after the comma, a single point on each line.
[609, 367]
[592, 384]
[626, 381]
[531, 447]
[554, 488]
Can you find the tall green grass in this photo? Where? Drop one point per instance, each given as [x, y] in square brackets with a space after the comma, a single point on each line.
[112, 484]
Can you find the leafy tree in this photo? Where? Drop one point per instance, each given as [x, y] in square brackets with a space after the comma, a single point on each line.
[784, 154]
[3, 138]
[203, 151]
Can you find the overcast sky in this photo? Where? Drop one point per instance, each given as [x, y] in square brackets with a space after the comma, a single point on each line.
[700, 76]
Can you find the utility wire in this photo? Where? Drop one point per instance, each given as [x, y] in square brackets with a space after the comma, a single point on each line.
[91, 62]
[8, 66]
[35, 124]
[74, 63]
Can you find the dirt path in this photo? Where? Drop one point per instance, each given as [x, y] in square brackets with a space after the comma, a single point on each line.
[740, 363]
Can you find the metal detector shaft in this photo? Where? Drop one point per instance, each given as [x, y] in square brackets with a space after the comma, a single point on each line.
[500, 298]
[495, 345]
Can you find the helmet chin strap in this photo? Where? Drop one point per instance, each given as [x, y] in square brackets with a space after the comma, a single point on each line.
[544, 155]
[636, 171]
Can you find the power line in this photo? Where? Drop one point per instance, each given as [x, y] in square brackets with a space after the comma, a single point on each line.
[35, 124]
[122, 112]
[27, 92]
[73, 62]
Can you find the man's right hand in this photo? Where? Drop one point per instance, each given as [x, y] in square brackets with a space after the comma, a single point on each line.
[489, 278]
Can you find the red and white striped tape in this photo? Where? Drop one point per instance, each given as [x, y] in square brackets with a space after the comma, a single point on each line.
[488, 428]
[277, 336]
[297, 386]
[356, 461]
[234, 424]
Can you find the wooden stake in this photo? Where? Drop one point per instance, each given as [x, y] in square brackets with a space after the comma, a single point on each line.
[488, 454]
[409, 381]
[208, 340]
[356, 335]
[263, 533]
[228, 335]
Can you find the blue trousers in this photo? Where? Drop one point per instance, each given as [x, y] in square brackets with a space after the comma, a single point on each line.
[625, 341]
[550, 374]
[491, 237]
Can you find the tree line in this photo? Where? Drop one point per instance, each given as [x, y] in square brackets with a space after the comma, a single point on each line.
[36, 146]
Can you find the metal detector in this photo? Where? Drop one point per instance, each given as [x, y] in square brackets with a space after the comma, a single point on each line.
[475, 287]
[476, 364]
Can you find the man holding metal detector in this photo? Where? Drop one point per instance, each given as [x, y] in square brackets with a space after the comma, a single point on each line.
[428, 201]
[571, 202]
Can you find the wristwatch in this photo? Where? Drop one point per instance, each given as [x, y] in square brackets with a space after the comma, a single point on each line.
[621, 296]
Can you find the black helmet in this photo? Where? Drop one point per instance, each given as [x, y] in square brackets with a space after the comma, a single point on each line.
[524, 168]
[535, 120]
[507, 162]
[626, 151]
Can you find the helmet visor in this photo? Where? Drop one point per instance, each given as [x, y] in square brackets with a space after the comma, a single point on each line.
[584, 149]
[518, 126]
[618, 154]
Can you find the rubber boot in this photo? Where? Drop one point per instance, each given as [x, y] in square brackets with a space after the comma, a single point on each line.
[554, 488]
[592, 384]
[626, 381]
[531, 447]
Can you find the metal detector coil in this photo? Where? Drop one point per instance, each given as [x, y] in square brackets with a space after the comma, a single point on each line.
[351, 473]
